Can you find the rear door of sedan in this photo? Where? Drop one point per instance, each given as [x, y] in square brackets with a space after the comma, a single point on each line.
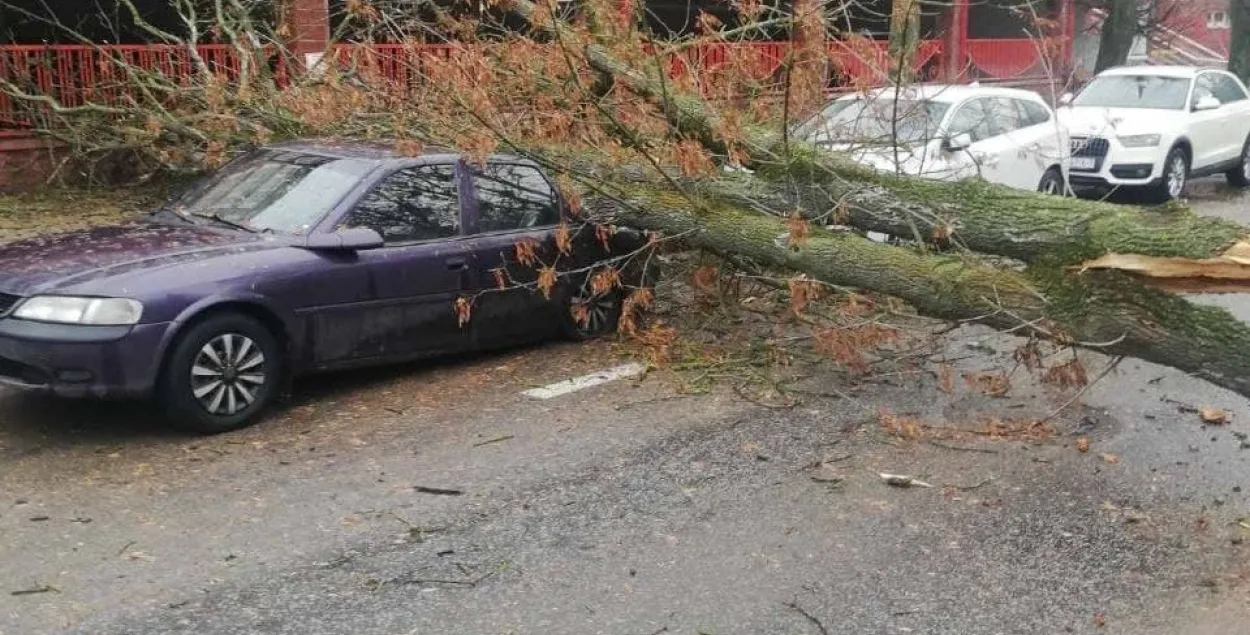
[512, 224]
[415, 278]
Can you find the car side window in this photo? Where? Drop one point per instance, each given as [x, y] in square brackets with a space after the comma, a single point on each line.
[1204, 86]
[1032, 113]
[413, 204]
[512, 196]
[970, 120]
[1003, 116]
[985, 118]
[1225, 88]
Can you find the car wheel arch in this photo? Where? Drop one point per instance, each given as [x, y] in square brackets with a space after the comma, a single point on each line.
[1184, 144]
[197, 313]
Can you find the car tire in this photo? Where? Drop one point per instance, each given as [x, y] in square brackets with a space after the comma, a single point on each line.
[1240, 175]
[1175, 177]
[221, 374]
[604, 314]
[1052, 183]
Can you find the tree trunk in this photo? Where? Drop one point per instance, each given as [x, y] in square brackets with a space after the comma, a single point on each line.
[904, 39]
[1239, 39]
[1119, 27]
[1106, 311]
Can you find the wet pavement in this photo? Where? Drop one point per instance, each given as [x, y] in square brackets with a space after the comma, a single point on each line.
[633, 509]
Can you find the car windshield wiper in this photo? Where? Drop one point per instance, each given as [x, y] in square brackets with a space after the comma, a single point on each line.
[227, 222]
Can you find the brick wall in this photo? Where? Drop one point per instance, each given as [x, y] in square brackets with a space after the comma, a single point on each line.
[25, 161]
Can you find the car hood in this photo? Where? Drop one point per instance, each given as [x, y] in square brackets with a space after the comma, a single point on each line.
[1094, 121]
[57, 262]
[917, 160]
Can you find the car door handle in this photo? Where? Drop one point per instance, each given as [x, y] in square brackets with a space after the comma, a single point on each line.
[456, 264]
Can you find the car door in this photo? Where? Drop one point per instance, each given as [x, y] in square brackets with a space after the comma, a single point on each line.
[1041, 140]
[993, 154]
[1206, 127]
[512, 225]
[415, 278]
[1234, 113]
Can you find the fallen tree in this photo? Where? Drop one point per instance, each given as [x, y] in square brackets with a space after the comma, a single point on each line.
[1075, 272]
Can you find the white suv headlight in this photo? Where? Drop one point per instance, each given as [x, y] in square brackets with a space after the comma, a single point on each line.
[1140, 141]
[72, 310]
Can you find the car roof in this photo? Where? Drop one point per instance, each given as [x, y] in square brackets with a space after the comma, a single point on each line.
[1158, 71]
[380, 151]
[950, 93]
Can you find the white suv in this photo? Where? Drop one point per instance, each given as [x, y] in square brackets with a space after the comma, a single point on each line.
[1155, 127]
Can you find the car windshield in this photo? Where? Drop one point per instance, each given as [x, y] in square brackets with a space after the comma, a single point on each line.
[876, 121]
[274, 190]
[1135, 91]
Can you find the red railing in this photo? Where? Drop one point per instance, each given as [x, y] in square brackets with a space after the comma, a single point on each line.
[1011, 59]
[77, 74]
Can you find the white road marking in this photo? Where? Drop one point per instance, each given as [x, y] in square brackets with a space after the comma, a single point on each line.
[586, 381]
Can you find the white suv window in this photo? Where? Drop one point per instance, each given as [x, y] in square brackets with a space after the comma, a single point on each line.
[984, 118]
[1221, 86]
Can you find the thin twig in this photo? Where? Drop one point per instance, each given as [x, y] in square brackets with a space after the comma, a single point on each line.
[794, 606]
[1111, 366]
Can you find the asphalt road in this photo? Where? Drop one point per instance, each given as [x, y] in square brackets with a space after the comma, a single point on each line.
[631, 509]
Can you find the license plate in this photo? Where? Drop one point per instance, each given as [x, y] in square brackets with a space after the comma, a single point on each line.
[1083, 163]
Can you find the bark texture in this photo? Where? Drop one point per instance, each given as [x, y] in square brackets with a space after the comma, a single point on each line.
[1239, 39]
[1116, 37]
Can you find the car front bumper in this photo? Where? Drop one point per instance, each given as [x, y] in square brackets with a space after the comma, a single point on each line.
[80, 361]
[1119, 167]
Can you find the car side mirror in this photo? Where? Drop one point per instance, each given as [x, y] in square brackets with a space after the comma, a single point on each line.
[354, 239]
[1066, 99]
[958, 142]
[1206, 102]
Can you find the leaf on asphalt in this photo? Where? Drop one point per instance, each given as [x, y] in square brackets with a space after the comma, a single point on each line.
[1110, 458]
[901, 480]
[1100, 620]
[1082, 444]
[1213, 416]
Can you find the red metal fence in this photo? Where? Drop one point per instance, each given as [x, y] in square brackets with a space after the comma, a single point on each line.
[79, 74]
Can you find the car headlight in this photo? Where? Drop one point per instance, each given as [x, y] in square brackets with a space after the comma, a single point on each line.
[1140, 140]
[72, 310]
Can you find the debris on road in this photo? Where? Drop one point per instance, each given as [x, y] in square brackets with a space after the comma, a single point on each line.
[437, 491]
[36, 590]
[505, 437]
[1082, 444]
[900, 480]
[1213, 416]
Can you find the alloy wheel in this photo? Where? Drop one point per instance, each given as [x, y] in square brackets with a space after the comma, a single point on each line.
[1245, 162]
[227, 373]
[1050, 186]
[598, 315]
[1176, 176]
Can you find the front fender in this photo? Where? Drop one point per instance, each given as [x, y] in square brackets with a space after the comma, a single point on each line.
[290, 323]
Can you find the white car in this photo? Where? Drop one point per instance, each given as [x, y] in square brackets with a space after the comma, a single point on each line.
[1156, 127]
[948, 132]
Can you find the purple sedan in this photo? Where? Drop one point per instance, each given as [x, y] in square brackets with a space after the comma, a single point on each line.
[299, 258]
